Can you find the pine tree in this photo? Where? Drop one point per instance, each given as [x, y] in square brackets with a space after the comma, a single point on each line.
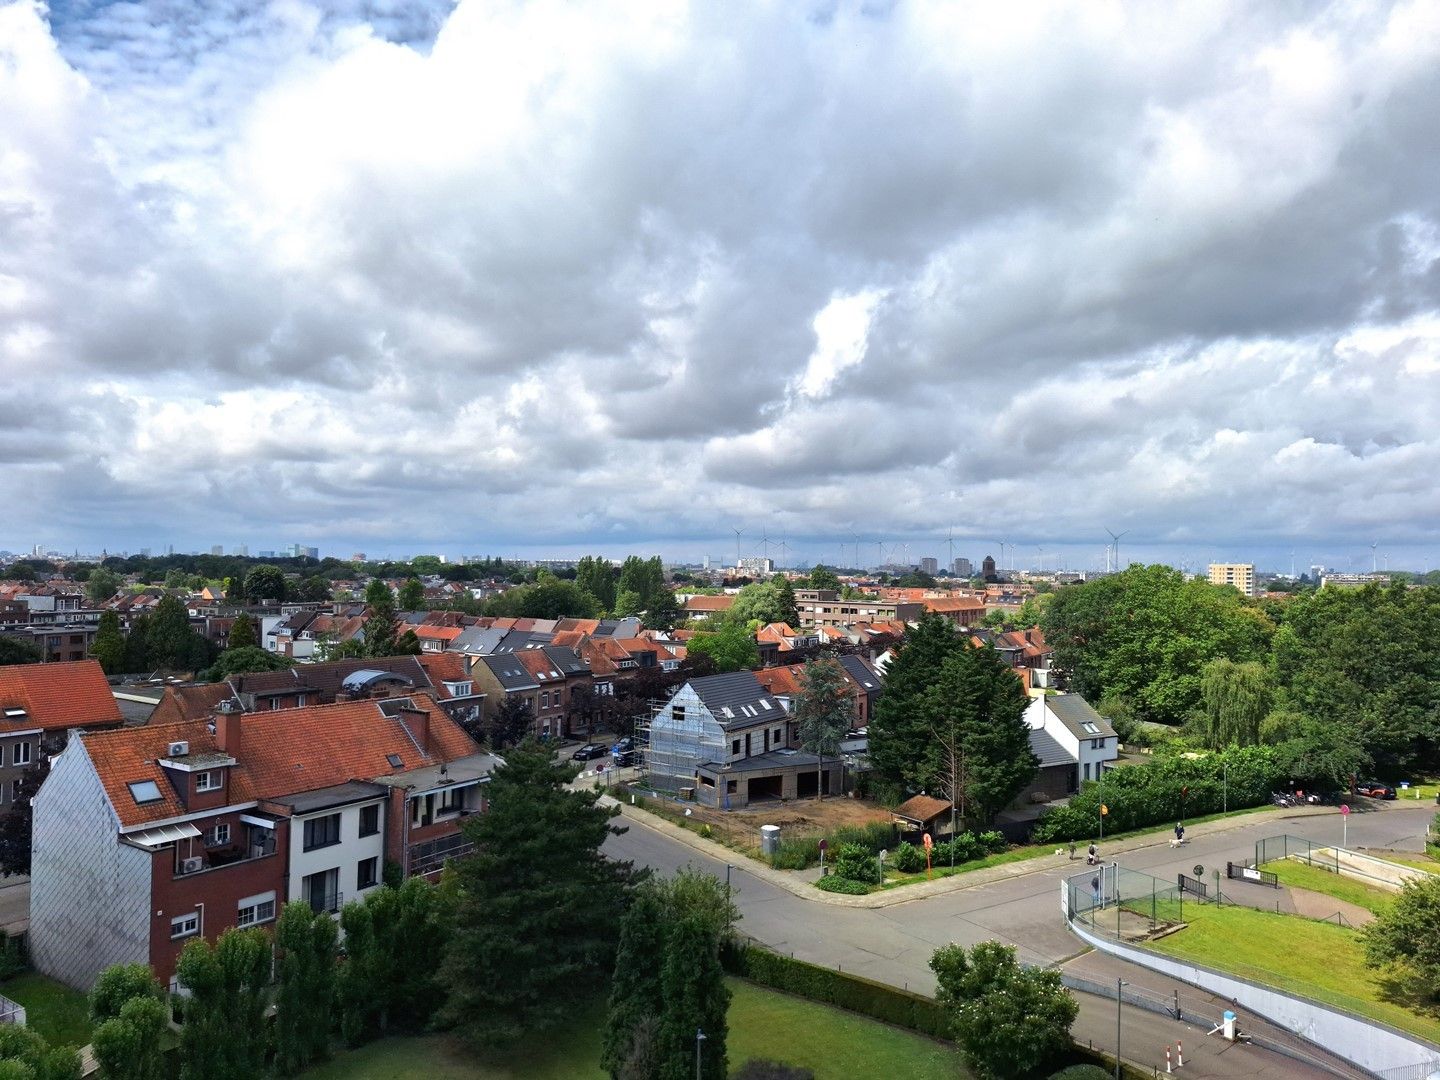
[536, 925]
[109, 647]
[789, 613]
[242, 632]
[635, 990]
[899, 737]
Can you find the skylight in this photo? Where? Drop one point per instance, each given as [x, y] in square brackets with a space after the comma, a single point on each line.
[145, 791]
[1090, 728]
[395, 760]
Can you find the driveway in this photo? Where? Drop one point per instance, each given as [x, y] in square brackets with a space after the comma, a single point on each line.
[894, 944]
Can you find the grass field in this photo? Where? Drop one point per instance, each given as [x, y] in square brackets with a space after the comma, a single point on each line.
[1420, 862]
[1300, 876]
[838, 1045]
[54, 1010]
[1312, 959]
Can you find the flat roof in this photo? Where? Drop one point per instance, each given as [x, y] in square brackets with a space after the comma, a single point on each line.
[768, 762]
[308, 802]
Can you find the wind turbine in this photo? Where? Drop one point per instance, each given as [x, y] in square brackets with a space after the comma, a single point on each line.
[737, 533]
[765, 544]
[1374, 566]
[856, 537]
[1115, 543]
[950, 543]
[784, 550]
[1002, 555]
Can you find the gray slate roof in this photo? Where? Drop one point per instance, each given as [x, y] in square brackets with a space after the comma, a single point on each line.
[477, 640]
[1050, 752]
[509, 672]
[1075, 712]
[862, 673]
[737, 691]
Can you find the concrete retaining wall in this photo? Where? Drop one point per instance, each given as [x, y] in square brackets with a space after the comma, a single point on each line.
[1368, 1044]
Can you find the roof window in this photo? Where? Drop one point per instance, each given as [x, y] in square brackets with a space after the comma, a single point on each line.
[395, 760]
[1090, 728]
[144, 791]
[14, 714]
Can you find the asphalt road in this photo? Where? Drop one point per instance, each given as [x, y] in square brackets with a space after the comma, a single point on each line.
[894, 944]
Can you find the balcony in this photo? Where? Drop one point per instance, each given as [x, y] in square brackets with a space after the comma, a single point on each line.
[327, 901]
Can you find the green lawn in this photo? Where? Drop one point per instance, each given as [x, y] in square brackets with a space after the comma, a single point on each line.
[1300, 876]
[838, 1045]
[1313, 959]
[1420, 862]
[54, 1010]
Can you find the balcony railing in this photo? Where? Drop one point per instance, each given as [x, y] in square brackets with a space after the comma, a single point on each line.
[330, 902]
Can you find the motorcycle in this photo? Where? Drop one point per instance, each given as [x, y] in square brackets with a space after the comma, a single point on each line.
[1279, 798]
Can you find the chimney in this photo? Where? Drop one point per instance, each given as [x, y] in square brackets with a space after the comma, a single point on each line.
[417, 722]
[227, 731]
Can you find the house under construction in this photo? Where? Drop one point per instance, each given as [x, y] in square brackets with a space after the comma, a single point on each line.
[726, 741]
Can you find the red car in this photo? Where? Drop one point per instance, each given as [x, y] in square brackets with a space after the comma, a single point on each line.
[1375, 789]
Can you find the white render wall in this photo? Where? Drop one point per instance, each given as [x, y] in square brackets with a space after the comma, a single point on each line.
[345, 855]
[89, 893]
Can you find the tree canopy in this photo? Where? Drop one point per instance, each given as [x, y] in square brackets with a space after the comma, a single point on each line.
[264, 582]
[731, 647]
[1146, 633]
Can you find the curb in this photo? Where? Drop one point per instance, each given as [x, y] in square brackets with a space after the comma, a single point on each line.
[805, 890]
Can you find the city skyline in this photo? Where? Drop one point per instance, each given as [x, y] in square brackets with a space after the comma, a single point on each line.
[621, 277]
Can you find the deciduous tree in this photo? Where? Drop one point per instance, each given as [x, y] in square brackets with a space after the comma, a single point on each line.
[130, 1046]
[102, 585]
[109, 646]
[1235, 698]
[824, 710]
[1408, 932]
[305, 975]
[242, 632]
[1009, 1021]
[17, 827]
[224, 1033]
[732, 648]
[265, 582]
[412, 595]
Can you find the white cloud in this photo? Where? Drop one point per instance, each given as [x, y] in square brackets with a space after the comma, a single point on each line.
[423, 274]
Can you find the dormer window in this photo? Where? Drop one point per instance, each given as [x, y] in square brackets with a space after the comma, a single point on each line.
[209, 780]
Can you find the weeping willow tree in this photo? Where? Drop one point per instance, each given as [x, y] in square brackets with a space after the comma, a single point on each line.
[1235, 698]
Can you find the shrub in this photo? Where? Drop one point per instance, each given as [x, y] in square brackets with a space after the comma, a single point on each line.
[854, 862]
[875, 837]
[1081, 1072]
[993, 842]
[761, 1069]
[885, 1003]
[909, 859]
[832, 883]
[796, 853]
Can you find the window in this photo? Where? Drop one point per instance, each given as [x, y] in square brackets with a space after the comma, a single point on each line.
[1087, 770]
[322, 832]
[184, 925]
[369, 820]
[144, 791]
[678, 714]
[735, 747]
[22, 753]
[779, 736]
[366, 872]
[394, 760]
[453, 801]
[217, 836]
[15, 791]
[322, 891]
[207, 781]
[254, 910]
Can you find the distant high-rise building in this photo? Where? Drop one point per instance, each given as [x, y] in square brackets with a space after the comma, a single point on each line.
[1240, 575]
[359, 556]
[755, 566]
[987, 568]
[929, 566]
[243, 550]
[217, 549]
[144, 553]
[962, 568]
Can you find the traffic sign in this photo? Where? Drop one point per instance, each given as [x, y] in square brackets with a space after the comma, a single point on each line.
[1345, 808]
[1199, 870]
[1104, 809]
[928, 842]
[823, 844]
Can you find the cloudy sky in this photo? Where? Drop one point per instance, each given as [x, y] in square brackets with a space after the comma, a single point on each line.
[547, 277]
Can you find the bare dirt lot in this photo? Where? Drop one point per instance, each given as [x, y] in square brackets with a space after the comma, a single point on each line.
[802, 817]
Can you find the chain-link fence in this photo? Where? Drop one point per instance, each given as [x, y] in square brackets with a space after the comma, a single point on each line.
[1274, 848]
[1128, 905]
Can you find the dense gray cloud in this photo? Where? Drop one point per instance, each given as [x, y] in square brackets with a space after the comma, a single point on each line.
[544, 276]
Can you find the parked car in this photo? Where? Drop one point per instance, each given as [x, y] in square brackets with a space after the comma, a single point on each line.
[589, 752]
[1375, 789]
[624, 746]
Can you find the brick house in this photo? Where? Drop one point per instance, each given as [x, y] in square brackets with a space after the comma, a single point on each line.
[148, 836]
[40, 704]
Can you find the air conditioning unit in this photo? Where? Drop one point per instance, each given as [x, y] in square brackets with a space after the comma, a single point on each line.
[179, 749]
[190, 866]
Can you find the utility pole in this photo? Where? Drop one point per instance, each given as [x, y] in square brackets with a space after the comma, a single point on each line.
[1119, 1000]
[699, 1038]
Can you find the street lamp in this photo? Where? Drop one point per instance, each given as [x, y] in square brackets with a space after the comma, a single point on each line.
[699, 1038]
[1119, 1000]
[1225, 787]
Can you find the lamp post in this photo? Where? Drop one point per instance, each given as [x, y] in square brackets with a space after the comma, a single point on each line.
[699, 1038]
[1119, 1000]
[1225, 787]
[729, 924]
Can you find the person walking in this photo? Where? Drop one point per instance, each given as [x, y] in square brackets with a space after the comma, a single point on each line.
[1179, 832]
[1093, 856]
[1095, 888]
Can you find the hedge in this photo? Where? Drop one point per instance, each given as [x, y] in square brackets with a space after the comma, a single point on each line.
[864, 996]
[1151, 794]
[836, 884]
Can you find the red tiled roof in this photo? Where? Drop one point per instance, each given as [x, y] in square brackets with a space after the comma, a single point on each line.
[58, 696]
[437, 633]
[710, 603]
[443, 666]
[282, 752]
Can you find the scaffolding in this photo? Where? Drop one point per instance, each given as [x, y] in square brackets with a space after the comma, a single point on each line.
[678, 737]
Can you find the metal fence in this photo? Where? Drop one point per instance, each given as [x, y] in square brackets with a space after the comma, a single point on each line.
[1241, 872]
[1127, 905]
[1192, 885]
[1274, 848]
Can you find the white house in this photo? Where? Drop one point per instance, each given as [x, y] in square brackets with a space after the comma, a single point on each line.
[1073, 742]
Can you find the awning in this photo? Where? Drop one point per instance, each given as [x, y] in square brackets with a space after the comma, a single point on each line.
[263, 822]
[155, 839]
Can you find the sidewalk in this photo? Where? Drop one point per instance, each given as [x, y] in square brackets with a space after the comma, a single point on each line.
[802, 882]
